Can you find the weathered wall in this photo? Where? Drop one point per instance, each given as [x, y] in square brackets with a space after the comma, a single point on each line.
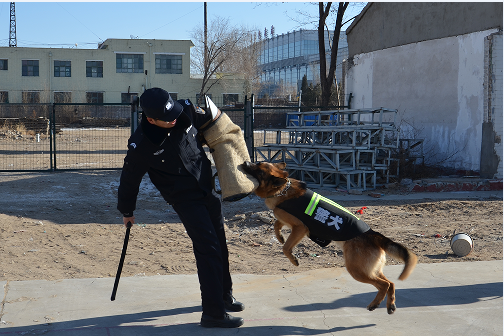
[437, 87]
[385, 25]
[491, 144]
[497, 102]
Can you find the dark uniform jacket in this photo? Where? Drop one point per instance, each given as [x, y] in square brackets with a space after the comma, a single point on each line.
[325, 219]
[173, 158]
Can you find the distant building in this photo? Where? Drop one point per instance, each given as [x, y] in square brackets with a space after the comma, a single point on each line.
[112, 73]
[286, 58]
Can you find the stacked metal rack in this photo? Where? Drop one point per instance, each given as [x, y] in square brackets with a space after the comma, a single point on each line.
[342, 148]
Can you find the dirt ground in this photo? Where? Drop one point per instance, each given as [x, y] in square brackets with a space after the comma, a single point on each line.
[64, 225]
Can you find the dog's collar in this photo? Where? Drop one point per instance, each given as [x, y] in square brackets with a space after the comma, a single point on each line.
[283, 191]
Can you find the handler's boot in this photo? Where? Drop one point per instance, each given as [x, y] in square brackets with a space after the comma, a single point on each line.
[227, 321]
[231, 304]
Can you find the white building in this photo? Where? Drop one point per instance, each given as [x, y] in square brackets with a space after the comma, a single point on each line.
[113, 72]
[440, 66]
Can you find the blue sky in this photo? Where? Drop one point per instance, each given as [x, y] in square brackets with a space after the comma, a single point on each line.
[65, 24]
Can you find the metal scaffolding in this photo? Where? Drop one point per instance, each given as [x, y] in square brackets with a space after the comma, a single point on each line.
[344, 148]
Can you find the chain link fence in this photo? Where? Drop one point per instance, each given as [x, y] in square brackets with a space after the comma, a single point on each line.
[48, 137]
[90, 136]
[38, 137]
[66, 136]
[25, 137]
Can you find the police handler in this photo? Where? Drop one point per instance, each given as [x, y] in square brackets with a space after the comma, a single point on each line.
[166, 146]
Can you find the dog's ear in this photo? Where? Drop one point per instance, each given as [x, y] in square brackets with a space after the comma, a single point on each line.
[281, 165]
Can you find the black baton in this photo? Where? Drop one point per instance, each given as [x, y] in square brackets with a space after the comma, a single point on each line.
[121, 262]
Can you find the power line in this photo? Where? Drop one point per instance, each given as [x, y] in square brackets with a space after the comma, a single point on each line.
[33, 43]
[80, 22]
[169, 23]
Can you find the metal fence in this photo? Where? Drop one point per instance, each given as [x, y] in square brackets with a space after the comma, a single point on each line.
[89, 136]
[37, 137]
[64, 136]
[49, 137]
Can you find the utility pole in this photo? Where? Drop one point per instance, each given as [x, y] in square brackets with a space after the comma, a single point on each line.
[12, 32]
[205, 47]
[205, 29]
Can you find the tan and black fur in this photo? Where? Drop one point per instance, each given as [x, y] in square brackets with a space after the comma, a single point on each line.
[364, 255]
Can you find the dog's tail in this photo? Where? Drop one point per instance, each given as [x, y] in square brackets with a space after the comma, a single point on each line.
[398, 251]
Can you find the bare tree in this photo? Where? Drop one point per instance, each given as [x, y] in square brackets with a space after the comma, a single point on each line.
[213, 48]
[322, 21]
[245, 62]
[327, 77]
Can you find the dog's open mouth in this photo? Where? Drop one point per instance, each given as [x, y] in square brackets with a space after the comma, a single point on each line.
[248, 167]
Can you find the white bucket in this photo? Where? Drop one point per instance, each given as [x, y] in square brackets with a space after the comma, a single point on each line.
[461, 244]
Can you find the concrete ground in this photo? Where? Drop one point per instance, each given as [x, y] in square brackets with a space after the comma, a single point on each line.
[438, 299]
[463, 298]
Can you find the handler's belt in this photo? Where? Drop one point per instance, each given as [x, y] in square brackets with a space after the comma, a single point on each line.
[326, 219]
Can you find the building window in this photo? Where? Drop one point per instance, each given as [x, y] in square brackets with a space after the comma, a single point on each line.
[31, 97]
[129, 63]
[94, 69]
[4, 96]
[126, 97]
[30, 67]
[309, 47]
[62, 69]
[3, 64]
[94, 97]
[168, 64]
[62, 97]
[229, 98]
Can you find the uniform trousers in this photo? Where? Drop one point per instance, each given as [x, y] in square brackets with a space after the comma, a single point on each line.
[204, 224]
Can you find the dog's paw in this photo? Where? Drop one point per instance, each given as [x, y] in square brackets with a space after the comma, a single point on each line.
[294, 261]
[372, 307]
[391, 309]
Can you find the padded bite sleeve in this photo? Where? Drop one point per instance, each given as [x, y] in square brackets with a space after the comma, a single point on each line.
[229, 151]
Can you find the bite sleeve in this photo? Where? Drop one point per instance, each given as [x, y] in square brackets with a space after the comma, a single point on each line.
[229, 151]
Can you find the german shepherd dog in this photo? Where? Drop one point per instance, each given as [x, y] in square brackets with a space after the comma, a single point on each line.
[364, 254]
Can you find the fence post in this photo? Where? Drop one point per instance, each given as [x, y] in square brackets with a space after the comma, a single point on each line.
[299, 100]
[52, 138]
[249, 125]
[134, 113]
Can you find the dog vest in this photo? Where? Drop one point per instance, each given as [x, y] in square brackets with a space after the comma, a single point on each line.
[326, 219]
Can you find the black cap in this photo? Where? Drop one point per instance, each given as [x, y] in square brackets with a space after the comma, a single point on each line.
[157, 103]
